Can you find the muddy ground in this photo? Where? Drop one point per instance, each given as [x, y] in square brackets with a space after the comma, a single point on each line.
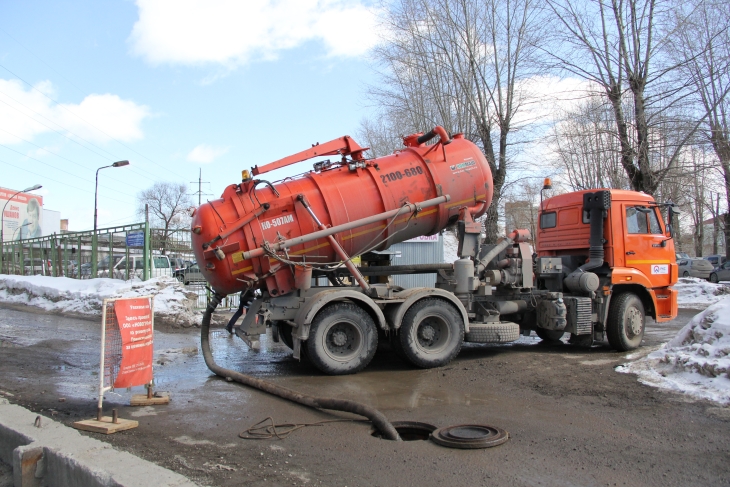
[573, 420]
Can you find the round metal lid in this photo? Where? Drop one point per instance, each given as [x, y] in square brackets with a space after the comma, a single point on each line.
[470, 436]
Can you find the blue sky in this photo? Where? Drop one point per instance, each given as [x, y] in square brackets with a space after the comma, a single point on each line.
[172, 86]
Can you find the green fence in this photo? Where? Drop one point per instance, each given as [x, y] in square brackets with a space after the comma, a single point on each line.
[121, 252]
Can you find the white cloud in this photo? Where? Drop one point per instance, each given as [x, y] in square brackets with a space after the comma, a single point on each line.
[205, 154]
[26, 113]
[232, 32]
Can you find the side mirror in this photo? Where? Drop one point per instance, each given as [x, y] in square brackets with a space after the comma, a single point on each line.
[671, 212]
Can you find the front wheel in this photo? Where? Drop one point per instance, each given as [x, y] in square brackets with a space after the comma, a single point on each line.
[431, 333]
[626, 318]
[342, 339]
[713, 278]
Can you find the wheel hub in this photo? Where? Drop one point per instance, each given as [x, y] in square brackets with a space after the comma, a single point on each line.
[634, 322]
[339, 338]
[427, 332]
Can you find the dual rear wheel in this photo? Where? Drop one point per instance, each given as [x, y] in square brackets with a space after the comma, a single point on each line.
[343, 337]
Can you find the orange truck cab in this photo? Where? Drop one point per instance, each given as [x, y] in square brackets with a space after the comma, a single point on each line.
[615, 247]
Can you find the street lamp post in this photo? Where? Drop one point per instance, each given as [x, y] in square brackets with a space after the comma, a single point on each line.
[96, 199]
[2, 222]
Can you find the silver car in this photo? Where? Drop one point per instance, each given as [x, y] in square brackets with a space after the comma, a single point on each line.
[695, 268]
[721, 273]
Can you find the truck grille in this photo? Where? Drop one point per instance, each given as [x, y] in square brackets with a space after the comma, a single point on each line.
[579, 314]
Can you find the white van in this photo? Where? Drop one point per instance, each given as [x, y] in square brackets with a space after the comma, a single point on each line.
[159, 266]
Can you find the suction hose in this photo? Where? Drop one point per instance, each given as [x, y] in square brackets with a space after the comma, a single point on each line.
[378, 419]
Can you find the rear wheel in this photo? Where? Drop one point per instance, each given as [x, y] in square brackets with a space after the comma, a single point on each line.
[713, 278]
[431, 333]
[342, 339]
[685, 274]
[549, 335]
[626, 319]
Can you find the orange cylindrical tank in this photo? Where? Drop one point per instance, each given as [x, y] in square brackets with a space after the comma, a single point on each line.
[256, 213]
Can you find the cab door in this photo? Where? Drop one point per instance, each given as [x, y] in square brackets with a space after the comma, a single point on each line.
[647, 247]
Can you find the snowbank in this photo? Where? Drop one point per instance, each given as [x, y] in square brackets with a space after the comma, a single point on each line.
[696, 361]
[173, 305]
[694, 293]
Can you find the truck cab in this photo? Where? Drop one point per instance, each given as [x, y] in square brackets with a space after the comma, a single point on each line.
[635, 270]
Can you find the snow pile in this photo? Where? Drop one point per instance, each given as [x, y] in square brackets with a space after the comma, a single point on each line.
[695, 293]
[451, 247]
[173, 305]
[696, 361]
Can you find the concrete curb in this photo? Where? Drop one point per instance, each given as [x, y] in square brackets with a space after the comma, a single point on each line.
[54, 454]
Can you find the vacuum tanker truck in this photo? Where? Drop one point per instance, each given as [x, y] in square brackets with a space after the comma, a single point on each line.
[604, 259]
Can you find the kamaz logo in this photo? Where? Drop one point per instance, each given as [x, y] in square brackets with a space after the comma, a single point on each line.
[276, 222]
[463, 165]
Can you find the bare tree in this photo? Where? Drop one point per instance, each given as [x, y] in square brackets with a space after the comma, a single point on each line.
[460, 64]
[586, 148]
[168, 205]
[620, 46]
[702, 49]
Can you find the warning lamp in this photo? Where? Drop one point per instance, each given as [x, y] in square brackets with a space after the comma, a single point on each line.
[547, 184]
[245, 176]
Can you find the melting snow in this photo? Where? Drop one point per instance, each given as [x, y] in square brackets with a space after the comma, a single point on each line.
[172, 303]
[696, 361]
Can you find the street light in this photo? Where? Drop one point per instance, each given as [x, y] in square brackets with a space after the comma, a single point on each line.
[96, 198]
[2, 221]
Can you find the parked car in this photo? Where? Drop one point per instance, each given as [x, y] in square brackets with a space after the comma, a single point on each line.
[716, 260]
[189, 274]
[721, 273]
[178, 263]
[695, 268]
[121, 269]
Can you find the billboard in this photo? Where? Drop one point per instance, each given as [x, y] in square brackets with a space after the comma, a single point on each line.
[23, 214]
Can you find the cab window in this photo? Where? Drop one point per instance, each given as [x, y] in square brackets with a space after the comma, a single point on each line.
[636, 221]
[548, 220]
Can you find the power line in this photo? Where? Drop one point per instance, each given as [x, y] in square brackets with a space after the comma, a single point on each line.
[80, 118]
[53, 167]
[53, 180]
[66, 136]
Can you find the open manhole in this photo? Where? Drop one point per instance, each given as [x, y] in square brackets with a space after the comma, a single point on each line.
[470, 436]
[410, 430]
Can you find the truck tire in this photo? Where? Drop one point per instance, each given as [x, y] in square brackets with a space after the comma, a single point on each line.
[549, 335]
[626, 319]
[431, 333]
[493, 333]
[342, 339]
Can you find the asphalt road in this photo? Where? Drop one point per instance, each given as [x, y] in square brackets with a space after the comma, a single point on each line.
[572, 419]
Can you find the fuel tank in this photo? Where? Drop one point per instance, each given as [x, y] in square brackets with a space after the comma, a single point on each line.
[256, 213]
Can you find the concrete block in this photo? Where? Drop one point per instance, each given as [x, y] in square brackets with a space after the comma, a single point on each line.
[54, 454]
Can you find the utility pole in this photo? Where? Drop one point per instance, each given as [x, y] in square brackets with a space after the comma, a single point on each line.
[200, 182]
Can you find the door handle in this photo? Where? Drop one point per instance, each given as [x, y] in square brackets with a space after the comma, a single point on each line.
[630, 252]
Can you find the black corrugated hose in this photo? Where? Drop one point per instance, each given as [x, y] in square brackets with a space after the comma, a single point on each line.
[378, 419]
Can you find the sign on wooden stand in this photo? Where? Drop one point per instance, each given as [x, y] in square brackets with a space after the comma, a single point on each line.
[127, 349]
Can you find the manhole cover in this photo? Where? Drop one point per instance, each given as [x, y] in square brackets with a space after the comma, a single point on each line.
[470, 436]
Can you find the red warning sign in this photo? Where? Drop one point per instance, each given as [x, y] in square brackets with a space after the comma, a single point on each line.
[134, 317]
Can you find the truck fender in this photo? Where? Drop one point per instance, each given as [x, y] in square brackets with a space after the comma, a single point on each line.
[647, 296]
[306, 313]
[418, 293]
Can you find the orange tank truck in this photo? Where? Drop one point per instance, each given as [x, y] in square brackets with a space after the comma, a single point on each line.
[604, 258]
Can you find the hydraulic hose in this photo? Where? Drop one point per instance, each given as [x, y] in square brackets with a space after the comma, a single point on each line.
[378, 419]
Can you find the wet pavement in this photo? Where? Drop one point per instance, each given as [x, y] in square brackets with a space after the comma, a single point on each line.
[572, 419]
